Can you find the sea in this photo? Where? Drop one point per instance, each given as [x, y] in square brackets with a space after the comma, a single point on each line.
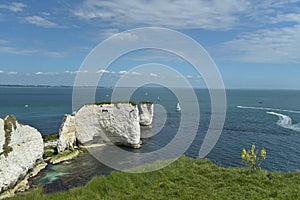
[269, 119]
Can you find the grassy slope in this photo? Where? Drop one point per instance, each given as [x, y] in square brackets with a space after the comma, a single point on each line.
[186, 178]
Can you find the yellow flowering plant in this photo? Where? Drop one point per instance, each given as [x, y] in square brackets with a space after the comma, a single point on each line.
[253, 158]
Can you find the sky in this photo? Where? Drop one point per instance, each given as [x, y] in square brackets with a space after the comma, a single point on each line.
[254, 44]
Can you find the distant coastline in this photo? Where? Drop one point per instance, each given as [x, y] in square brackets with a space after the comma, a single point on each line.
[46, 86]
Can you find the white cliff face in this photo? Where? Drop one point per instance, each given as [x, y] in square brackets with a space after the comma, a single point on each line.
[116, 123]
[2, 135]
[146, 114]
[67, 134]
[20, 147]
[87, 121]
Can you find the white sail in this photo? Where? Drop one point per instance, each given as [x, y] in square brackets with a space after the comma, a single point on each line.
[178, 107]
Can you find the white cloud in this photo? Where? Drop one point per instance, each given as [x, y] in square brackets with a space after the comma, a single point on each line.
[153, 75]
[13, 6]
[47, 73]
[42, 22]
[135, 73]
[277, 45]
[122, 72]
[289, 17]
[1, 71]
[101, 71]
[75, 72]
[173, 14]
[125, 36]
[31, 51]
[12, 73]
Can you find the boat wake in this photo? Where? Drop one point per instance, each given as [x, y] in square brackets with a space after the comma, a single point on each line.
[286, 122]
[269, 109]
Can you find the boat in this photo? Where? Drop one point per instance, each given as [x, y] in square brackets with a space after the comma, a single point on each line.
[178, 108]
[158, 99]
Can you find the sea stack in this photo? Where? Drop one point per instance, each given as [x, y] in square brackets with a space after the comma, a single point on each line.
[116, 123]
[21, 146]
[146, 113]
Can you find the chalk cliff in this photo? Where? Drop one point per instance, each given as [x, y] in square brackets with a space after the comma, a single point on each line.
[146, 113]
[67, 134]
[21, 146]
[108, 122]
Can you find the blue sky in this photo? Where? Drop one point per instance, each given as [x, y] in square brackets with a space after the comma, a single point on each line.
[255, 44]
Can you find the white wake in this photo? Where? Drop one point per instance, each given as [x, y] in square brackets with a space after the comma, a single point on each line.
[286, 121]
[269, 109]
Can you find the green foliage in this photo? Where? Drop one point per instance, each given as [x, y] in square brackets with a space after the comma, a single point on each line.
[65, 153]
[146, 102]
[253, 158]
[9, 125]
[50, 137]
[186, 178]
[49, 151]
[115, 102]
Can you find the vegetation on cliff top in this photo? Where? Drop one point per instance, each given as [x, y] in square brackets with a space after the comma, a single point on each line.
[115, 102]
[9, 125]
[186, 178]
[50, 137]
[146, 102]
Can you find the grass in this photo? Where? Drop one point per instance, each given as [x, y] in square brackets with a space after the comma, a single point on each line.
[9, 125]
[50, 137]
[186, 178]
[49, 151]
[146, 102]
[65, 155]
[115, 102]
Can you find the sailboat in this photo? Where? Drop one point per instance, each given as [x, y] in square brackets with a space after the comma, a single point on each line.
[178, 108]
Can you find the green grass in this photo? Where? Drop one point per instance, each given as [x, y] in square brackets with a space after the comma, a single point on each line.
[115, 102]
[186, 178]
[50, 137]
[49, 151]
[9, 125]
[146, 102]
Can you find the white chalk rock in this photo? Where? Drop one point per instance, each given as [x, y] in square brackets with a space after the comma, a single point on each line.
[67, 134]
[20, 147]
[117, 123]
[146, 114]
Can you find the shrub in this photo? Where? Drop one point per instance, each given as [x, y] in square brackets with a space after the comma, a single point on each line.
[253, 158]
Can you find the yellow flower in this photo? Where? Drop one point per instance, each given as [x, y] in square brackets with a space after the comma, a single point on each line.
[253, 157]
[252, 149]
[263, 153]
[244, 154]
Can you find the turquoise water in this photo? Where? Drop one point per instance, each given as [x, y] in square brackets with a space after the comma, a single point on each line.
[268, 118]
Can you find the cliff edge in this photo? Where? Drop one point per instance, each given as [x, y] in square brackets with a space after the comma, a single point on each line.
[21, 146]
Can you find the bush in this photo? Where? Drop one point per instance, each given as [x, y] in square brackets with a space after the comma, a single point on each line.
[252, 158]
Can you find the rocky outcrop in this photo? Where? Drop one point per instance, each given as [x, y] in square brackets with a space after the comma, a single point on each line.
[21, 146]
[67, 133]
[103, 123]
[146, 113]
